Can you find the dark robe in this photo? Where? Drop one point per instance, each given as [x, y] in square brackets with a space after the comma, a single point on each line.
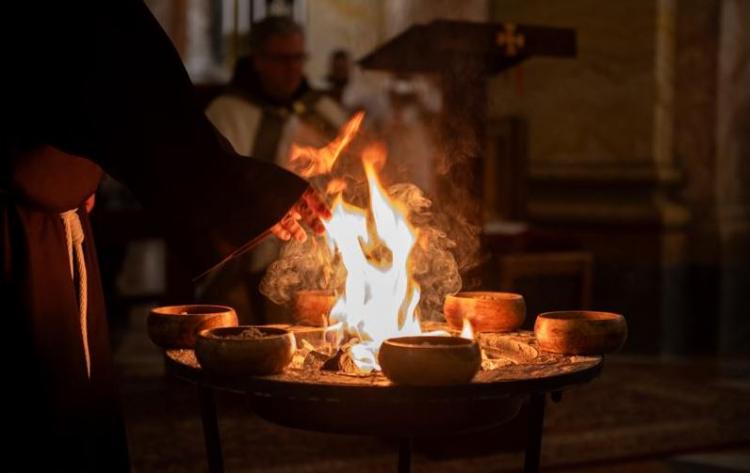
[95, 85]
[237, 283]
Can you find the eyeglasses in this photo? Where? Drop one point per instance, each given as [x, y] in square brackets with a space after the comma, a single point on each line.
[285, 58]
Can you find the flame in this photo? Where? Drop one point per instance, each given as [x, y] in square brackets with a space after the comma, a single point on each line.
[308, 161]
[467, 331]
[380, 297]
[335, 186]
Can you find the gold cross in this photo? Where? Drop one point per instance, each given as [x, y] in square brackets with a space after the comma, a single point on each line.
[512, 41]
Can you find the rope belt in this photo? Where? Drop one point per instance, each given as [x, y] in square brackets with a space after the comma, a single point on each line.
[74, 241]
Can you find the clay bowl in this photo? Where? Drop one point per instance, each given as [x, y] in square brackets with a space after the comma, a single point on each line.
[486, 311]
[176, 326]
[580, 332]
[429, 360]
[313, 307]
[245, 350]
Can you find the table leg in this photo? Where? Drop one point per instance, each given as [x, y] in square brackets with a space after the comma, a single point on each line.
[534, 440]
[211, 430]
[404, 455]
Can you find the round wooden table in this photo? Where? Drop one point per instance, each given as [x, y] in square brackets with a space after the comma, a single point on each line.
[514, 371]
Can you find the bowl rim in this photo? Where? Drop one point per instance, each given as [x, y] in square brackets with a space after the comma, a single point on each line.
[430, 342]
[174, 310]
[591, 316]
[497, 296]
[276, 333]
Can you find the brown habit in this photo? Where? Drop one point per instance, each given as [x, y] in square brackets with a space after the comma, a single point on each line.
[97, 85]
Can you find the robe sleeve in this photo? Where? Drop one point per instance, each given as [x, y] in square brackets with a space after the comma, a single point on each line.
[137, 118]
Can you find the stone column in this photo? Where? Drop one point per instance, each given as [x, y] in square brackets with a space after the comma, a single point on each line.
[733, 175]
[695, 74]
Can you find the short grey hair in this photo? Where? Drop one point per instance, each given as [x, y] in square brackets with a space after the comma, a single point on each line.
[262, 30]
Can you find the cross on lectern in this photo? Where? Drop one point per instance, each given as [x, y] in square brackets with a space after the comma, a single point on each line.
[512, 41]
[463, 55]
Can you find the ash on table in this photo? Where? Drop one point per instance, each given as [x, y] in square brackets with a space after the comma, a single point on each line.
[326, 358]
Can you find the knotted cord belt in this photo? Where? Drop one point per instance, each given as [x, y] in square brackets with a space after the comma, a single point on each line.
[74, 240]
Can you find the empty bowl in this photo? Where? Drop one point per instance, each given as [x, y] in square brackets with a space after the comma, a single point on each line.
[176, 326]
[580, 332]
[429, 360]
[245, 350]
[486, 311]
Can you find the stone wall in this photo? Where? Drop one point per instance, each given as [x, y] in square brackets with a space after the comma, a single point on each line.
[594, 111]
[603, 167]
[355, 25]
[695, 121]
[695, 150]
[361, 25]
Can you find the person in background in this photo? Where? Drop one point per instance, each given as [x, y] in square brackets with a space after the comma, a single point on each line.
[269, 103]
[267, 106]
[339, 74]
[94, 87]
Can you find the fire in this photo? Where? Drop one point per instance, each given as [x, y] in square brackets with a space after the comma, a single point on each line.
[467, 331]
[380, 298]
[308, 162]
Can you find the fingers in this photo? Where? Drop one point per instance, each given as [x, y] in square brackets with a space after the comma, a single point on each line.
[90, 202]
[316, 204]
[312, 221]
[289, 227]
[312, 208]
[280, 232]
[295, 228]
[309, 209]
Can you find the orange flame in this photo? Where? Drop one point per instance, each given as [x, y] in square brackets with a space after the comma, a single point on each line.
[308, 161]
[380, 297]
[335, 186]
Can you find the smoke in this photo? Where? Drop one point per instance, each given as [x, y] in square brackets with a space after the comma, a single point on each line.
[307, 265]
[311, 265]
[459, 132]
[433, 264]
[437, 149]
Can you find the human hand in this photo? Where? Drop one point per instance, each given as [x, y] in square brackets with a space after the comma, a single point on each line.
[309, 209]
[89, 203]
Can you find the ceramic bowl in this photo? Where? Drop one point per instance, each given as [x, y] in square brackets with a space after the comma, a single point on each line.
[245, 350]
[429, 360]
[313, 307]
[486, 311]
[176, 326]
[580, 332]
